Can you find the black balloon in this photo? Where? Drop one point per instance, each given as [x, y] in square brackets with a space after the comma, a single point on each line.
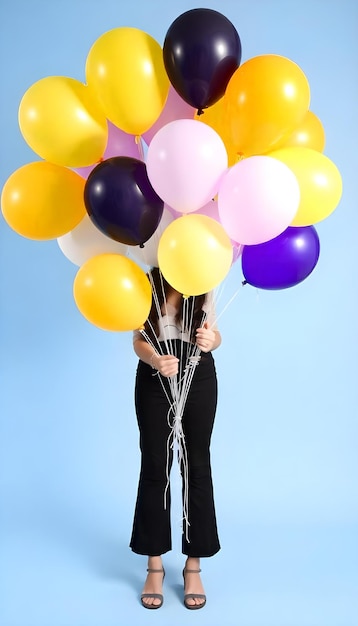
[121, 202]
[202, 50]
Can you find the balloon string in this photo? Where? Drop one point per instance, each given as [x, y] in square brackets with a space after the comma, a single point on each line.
[179, 387]
[217, 317]
[138, 140]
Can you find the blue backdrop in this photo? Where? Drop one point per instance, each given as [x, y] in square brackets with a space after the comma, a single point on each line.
[285, 441]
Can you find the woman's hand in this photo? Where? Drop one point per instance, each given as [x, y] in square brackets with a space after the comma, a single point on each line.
[166, 364]
[206, 338]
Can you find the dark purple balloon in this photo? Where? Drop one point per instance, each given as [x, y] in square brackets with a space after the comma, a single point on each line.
[201, 51]
[283, 261]
[121, 202]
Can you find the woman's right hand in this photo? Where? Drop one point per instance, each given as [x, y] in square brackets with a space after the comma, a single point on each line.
[166, 364]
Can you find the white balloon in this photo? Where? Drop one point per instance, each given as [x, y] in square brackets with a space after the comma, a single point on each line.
[86, 241]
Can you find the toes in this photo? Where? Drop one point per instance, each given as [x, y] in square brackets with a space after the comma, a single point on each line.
[151, 601]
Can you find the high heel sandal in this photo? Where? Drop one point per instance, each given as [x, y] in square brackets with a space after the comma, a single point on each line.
[158, 596]
[192, 596]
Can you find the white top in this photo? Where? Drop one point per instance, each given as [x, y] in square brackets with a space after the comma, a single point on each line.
[169, 329]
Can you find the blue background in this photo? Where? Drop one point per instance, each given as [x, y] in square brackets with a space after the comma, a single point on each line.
[285, 441]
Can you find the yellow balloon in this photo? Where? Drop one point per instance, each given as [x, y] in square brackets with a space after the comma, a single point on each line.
[62, 121]
[215, 117]
[125, 67]
[112, 292]
[43, 201]
[308, 134]
[194, 254]
[319, 180]
[267, 96]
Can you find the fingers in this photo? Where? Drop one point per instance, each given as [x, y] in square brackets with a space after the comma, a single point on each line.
[204, 346]
[205, 338]
[168, 365]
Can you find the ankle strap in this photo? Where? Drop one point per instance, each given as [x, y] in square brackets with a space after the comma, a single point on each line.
[192, 571]
[154, 571]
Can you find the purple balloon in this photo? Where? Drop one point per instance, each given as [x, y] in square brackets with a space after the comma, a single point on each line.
[283, 261]
[121, 202]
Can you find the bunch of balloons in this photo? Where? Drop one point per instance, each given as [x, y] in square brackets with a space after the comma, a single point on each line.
[179, 154]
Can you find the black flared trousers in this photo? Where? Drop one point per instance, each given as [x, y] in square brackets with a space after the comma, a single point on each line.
[151, 534]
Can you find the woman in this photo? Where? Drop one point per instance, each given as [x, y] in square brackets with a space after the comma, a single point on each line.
[175, 345]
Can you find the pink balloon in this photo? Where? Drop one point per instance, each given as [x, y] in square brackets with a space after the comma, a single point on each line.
[186, 161]
[119, 143]
[175, 108]
[174, 213]
[237, 250]
[210, 209]
[258, 199]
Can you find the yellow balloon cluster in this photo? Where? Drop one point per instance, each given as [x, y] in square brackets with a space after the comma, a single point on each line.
[66, 123]
[264, 111]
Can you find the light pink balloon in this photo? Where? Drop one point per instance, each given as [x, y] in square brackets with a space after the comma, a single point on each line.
[258, 199]
[210, 209]
[237, 249]
[186, 161]
[174, 213]
[175, 108]
[119, 143]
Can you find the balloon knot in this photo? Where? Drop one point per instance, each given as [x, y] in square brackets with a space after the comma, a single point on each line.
[141, 245]
[244, 282]
[200, 112]
[137, 139]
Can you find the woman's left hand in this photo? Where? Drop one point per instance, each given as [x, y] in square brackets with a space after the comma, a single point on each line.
[205, 338]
